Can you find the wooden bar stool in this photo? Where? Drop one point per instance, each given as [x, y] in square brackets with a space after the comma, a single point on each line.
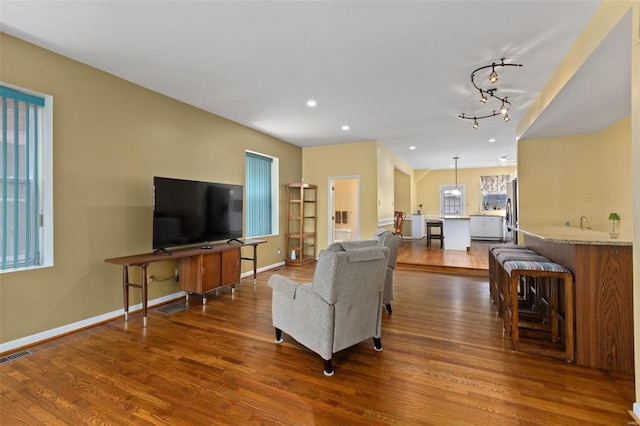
[495, 274]
[529, 294]
[437, 225]
[555, 274]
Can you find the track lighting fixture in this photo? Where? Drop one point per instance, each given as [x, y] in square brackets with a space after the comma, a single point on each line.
[490, 93]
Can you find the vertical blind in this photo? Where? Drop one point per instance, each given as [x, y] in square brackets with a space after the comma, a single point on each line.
[258, 195]
[20, 117]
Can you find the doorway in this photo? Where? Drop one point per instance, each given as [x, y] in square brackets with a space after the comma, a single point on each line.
[344, 209]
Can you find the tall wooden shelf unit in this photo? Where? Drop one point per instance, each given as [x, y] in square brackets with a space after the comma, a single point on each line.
[301, 223]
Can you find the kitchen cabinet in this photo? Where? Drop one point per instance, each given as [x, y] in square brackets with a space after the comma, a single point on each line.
[487, 228]
[418, 226]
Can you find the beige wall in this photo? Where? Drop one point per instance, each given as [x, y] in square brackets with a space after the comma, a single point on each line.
[402, 192]
[556, 174]
[110, 138]
[428, 186]
[373, 164]
[346, 160]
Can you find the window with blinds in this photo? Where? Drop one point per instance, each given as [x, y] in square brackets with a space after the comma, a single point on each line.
[21, 117]
[261, 195]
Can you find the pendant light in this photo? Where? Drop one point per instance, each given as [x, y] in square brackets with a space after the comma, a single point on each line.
[456, 192]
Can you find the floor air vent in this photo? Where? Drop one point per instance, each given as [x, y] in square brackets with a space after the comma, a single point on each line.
[173, 308]
[14, 356]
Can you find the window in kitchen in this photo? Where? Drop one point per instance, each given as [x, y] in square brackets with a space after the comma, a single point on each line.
[451, 204]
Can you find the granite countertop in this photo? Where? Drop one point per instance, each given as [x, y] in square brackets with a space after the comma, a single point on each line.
[571, 235]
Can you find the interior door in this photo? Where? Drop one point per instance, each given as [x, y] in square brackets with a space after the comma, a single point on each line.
[344, 206]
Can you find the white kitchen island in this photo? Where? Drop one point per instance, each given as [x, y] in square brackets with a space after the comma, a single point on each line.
[457, 232]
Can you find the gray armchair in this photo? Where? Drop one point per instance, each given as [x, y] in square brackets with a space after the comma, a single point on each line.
[341, 307]
[388, 239]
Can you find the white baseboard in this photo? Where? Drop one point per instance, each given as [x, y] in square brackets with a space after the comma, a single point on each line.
[69, 328]
[636, 409]
[65, 329]
[264, 268]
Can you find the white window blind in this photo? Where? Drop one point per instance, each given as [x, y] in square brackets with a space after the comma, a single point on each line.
[260, 197]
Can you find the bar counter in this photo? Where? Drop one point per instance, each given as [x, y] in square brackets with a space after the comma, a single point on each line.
[602, 267]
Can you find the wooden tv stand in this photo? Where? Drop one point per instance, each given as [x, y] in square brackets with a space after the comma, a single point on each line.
[202, 269]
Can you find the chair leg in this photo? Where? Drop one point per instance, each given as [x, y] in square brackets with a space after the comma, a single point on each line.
[377, 344]
[515, 331]
[388, 306]
[328, 369]
[278, 336]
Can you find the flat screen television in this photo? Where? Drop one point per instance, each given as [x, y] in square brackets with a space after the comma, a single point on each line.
[187, 212]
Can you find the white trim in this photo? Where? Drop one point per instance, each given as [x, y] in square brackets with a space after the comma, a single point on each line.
[385, 222]
[264, 268]
[78, 325]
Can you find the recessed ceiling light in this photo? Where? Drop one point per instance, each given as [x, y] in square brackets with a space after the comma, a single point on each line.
[492, 140]
[311, 103]
[503, 158]
[412, 148]
[345, 127]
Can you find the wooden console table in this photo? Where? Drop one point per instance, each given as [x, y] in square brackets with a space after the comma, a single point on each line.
[202, 269]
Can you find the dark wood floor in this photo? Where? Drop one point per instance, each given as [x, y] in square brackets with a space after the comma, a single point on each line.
[445, 362]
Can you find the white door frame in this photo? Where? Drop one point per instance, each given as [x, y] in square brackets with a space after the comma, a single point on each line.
[331, 206]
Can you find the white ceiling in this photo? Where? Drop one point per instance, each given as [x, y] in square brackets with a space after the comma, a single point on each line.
[395, 71]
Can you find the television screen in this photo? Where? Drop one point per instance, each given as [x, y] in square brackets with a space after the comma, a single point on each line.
[190, 212]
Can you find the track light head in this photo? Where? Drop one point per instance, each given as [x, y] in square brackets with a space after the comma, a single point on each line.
[475, 123]
[493, 77]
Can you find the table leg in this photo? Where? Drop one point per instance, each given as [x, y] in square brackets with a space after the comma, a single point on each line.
[144, 295]
[125, 291]
[255, 263]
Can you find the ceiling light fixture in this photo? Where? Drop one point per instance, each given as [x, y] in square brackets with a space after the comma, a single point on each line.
[311, 103]
[485, 94]
[456, 191]
[345, 127]
[412, 148]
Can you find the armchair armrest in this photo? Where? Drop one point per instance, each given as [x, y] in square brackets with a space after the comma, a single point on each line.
[284, 285]
[304, 315]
